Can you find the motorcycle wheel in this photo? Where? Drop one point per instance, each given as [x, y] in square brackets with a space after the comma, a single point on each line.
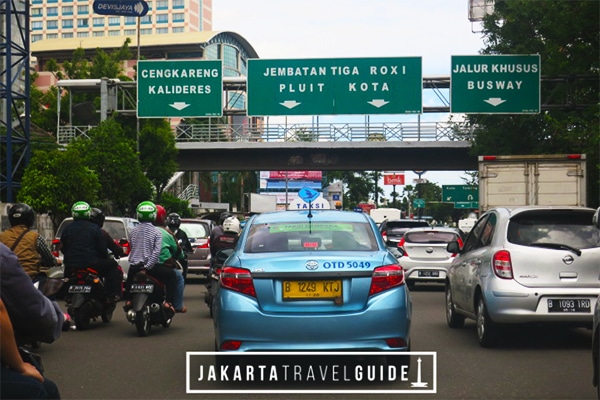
[81, 318]
[107, 313]
[142, 322]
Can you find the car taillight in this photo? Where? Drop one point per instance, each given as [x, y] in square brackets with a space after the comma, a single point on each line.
[238, 279]
[204, 245]
[385, 278]
[401, 246]
[126, 248]
[384, 234]
[55, 247]
[502, 265]
[231, 345]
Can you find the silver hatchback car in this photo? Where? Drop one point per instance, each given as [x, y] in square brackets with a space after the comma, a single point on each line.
[525, 265]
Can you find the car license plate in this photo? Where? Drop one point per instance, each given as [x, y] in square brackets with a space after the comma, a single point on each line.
[141, 288]
[80, 289]
[316, 290]
[569, 305]
[429, 274]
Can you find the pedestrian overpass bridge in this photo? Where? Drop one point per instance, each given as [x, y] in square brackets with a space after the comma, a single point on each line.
[430, 146]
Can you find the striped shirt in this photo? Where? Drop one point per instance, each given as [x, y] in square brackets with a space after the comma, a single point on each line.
[146, 243]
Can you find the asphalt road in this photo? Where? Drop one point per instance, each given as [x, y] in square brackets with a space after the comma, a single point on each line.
[109, 361]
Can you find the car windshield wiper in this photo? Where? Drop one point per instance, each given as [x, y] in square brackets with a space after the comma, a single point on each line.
[558, 246]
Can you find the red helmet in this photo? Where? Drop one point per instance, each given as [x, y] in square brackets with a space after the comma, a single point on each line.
[161, 215]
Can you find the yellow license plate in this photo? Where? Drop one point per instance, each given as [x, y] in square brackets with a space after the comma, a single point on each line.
[293, 290]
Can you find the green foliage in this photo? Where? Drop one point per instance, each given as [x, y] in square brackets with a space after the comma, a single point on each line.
[158, 153]
[173, 204]
[54, 180]
[565, 35]
[113, 158]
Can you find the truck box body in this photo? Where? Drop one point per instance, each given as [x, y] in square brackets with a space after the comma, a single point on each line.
[381, 214]
[545, 180]
[262, 203]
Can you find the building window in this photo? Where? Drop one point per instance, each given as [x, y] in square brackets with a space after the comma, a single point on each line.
[146, 19]
[82, 9]
[98, 21]
[83, 34]
[178, 3]
[37, 12]
[52, 24]
[36, 25]
[178, 29]
[67, 35]
[37, 1]
[162, 31]
[162, 5]
[130, 32]
[114, 21]
[83, 22]
[114, 33]
[179, 17]
[52, 11]
[146, 31]
[35, 38]
[67, 10]
[52, 36]
[130, 20]
[67, 24]
[212, 52]
[162, 18]
[98, 33]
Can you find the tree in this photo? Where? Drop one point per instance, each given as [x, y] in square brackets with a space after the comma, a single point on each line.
[359, 186]
[113, 158]
[54, 180]
[565, 35]
[158, 153]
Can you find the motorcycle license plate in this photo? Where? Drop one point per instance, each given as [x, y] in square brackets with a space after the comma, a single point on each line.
[80, 289]
[141, 288]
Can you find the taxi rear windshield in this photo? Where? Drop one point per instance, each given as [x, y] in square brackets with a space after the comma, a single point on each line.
[320, 236]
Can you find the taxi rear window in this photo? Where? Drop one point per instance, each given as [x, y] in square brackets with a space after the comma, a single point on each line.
[320, 236]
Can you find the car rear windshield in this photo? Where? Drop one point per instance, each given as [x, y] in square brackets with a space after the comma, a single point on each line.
[404, 225]
[431, 237]
[195, 229]
[573, 229]
[304, 236]
[116, 229]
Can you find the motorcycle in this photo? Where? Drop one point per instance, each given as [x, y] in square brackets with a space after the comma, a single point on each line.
[87, 298]
[147, 309]
[212, 282]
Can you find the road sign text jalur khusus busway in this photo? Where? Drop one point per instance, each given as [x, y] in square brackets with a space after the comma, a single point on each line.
[170, 89]
[335, 86]
[495, 84]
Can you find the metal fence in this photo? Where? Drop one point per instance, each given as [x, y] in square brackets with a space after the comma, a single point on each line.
[324, 132]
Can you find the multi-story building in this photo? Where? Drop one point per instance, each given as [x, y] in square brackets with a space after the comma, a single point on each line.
[65, 19]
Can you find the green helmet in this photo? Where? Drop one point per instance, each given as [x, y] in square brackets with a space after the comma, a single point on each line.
[146, 211]
[81, 210]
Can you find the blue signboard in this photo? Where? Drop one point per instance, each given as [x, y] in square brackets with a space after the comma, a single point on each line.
[128, 8]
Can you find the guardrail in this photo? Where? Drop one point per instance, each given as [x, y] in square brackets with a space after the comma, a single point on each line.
[324, 132]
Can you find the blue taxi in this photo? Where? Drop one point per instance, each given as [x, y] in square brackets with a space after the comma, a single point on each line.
[312, 281]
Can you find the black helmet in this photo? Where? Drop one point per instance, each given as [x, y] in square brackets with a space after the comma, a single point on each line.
[21, 214]
[97, 217]
[173, 221]
[224, 215]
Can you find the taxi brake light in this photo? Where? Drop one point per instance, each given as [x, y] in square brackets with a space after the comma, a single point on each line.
[238, 279]
[385, 278]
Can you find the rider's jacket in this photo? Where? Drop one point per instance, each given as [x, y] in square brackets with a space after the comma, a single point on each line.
[26, 248]
[82, 244]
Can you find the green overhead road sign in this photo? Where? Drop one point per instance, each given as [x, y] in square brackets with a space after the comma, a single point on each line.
[463, 196]
[171, 89]
[335, 86]
[490, 84]
[419, 203]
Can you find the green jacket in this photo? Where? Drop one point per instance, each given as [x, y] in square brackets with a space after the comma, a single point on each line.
[170, 248]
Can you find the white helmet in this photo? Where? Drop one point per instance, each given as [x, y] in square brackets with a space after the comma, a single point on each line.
[231, 224]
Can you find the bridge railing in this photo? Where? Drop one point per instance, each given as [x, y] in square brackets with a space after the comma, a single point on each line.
[323, 132]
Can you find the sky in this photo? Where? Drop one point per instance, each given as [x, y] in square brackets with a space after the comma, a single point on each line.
[432, 29]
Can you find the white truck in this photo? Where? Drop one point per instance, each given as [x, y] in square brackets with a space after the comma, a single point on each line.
[381, 214]
[512, 181]
[262, 203]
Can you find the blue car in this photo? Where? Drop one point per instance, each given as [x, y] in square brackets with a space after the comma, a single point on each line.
[312, 281]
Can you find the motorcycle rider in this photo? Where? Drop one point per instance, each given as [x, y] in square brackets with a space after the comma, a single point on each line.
[84, 246]
[229, 238]
[173, 223]
[98, 218]
[146, 245]
[170, 253]
[217, 232]
[29, 246]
